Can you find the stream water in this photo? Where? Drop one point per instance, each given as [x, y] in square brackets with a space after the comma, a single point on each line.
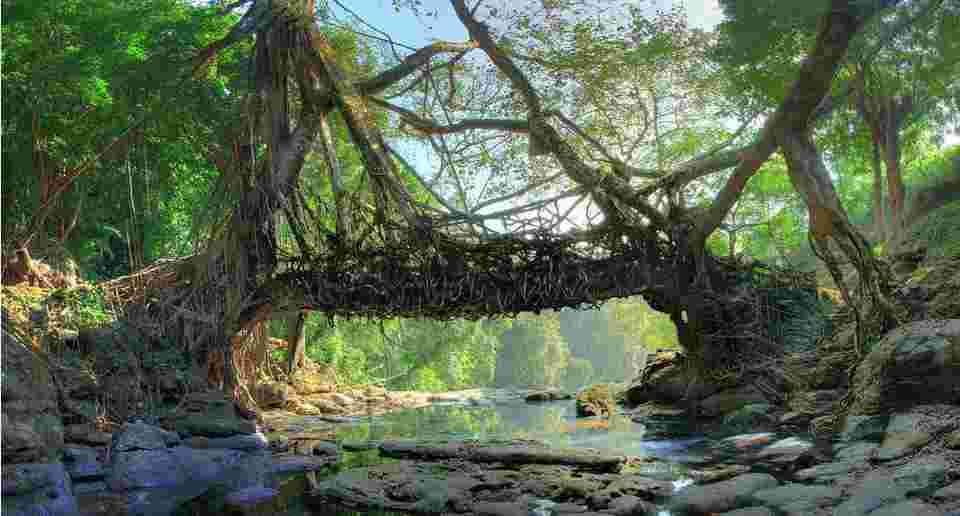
[554, 424]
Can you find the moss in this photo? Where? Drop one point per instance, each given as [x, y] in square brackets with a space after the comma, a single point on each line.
[596, 400]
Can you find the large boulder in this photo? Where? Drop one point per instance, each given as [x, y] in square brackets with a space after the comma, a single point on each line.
[32, 427]
[211, 414]
[37, 489]
[664, 380]
[151, 472]
[729, 401]
[915, 364]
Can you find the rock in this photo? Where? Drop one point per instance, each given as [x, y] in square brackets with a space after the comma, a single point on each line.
[903, 436]
[914, 364]
[717, 473]
[828, 473]
[287, 464]
[86, 488]
[86, 433]
[749, 511]
[315, 447]
[342, 399]
[167, 381]
[951, 492]
[210, 414]
[31, 424]
[314, 378]
[302, 408]
[911, 507]
[722, 496]
[37, 490]
[254, 501]
[881, 488]
[952, 440]
[786, 455]
[272, 394]
[666, 384]
[859, 451]
[548, 395]
[747, 441]
[863, 428]
[639, 486]
[798, 498]
[568, 508]
[247, 442]
[501, 509]
[75, 383]
[82, 463]
[141, 436]
[327, 406]
[748, 417]
[630, 506]
[731, 400]
[596, 400]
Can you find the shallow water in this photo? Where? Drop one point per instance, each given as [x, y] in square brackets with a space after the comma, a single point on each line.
[554, 424]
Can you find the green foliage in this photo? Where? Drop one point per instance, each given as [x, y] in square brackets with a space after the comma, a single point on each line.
[940, 232]
[82, 307]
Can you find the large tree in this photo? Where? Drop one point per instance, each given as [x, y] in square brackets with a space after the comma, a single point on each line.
[492, 107]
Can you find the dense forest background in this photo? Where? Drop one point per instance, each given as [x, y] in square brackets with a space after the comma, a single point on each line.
[115, 149]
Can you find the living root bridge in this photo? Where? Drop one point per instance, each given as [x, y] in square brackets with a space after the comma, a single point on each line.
[488, 280]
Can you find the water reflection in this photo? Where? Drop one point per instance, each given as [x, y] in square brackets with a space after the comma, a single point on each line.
[553, 424]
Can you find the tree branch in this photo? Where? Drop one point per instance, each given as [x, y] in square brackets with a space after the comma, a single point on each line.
[428, 127]
[409, 65]
[795, 113]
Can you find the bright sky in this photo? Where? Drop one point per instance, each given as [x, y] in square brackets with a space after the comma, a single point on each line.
[415, 32]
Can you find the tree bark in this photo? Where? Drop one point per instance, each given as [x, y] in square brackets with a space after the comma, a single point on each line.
[296, 341]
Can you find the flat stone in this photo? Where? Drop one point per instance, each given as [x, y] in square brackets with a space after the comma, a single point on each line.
[791, 494]
[141, 436]
[253, 501]
[630, 506]
[721, 496]
[911, 507]
[749, 511]
[828, 473]
[859, 451]
[568, 508]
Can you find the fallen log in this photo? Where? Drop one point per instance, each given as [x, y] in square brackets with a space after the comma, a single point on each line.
[508, 455]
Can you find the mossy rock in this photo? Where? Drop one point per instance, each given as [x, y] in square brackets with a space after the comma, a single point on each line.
[596, 400]
[914, 364]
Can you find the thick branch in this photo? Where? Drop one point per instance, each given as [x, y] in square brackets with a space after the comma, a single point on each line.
[794, 114]
[409, 65]
[428, 127]
[545, 136]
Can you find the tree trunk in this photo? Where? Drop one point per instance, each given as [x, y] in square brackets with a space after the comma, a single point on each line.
[895, 189]
[295, 341]
[879, 224]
